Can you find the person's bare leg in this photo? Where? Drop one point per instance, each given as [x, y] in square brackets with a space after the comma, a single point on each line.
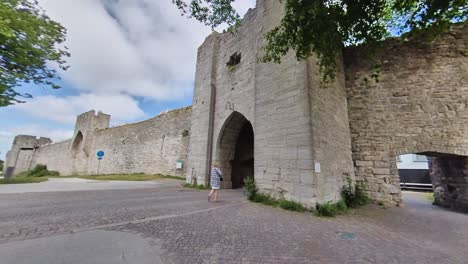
[211, 193]
[216, 195]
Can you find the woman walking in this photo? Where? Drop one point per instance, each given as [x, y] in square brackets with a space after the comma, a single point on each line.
[215, 182]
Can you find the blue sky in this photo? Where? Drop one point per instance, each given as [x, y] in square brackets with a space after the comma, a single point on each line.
[132, 59]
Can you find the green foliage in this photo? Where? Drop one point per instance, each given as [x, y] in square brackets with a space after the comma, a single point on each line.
[330, 209]
[210, 12]
[265, 199]
[195, 186]
[29, 41]
[256, 197]
[430, 197]
[250, 187]
[40, 171]
[1, 165]
[291, 205]
[324, 27]
[19, 180]
[38, 174]
[130, 177]
[354, 195]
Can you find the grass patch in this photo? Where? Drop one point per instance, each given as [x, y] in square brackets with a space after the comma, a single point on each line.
[195, 186]
[330, 209]
[130, 177]
[38, 174]
[19, 180]
[264, 199]
[291, 206]
[282, 203]
[256, 197]
[430, 197]
[38, 171]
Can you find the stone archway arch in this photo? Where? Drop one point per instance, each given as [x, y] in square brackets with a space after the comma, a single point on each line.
[77, 143]
[377, 168]
[235, 149]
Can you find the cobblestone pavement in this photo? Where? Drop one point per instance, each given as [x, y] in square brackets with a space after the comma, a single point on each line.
[188, 229]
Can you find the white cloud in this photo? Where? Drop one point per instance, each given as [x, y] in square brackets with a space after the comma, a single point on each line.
[140, 47]
[121, 50]
[122, 108]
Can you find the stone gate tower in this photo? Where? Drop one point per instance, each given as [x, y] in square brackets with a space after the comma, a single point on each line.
[301, 138]
[270, 121]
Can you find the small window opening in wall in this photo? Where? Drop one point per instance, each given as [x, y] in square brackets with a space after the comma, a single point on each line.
[234, 59]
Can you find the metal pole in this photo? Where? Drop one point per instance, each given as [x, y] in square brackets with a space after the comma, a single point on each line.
[98, 166]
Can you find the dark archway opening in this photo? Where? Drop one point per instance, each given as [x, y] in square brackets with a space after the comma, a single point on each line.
[413, 171]
[243, 163]
[235, 150]
[446, 175]
[76, 145]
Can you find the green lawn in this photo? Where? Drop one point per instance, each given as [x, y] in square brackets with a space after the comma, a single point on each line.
[22, 178]
[18, 180]
[130, 177]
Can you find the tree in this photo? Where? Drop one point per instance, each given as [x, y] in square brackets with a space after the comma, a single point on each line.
[1, 165]
[29, 42]
[324, 27]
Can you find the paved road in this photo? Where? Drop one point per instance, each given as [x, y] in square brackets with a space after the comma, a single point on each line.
[75, 184]
[168, 224]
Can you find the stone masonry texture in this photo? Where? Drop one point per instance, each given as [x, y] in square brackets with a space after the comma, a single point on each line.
[151, 146]
[309, 136]
[286, 106]
[418, 105]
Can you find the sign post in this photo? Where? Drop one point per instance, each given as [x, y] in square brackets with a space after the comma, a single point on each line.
[100, 155]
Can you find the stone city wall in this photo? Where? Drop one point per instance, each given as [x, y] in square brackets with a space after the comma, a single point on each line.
[56, 156]
[151, 146]
[449, 175]
[418, 105]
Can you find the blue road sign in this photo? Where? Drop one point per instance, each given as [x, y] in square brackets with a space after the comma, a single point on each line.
[100, 154]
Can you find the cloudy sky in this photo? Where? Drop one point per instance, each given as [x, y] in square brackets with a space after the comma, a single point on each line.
[131, 59]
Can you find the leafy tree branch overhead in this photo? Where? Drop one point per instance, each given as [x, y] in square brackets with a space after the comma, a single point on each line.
[29, 42]
[324, 27]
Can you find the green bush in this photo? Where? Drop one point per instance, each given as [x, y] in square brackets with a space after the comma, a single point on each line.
[264, 199]
[40, 171]
[195, 186]
[330, 209]
[250, 187]
[202, 187]
[327, 209]
[256, 197]
[291, 206]
[354, 195]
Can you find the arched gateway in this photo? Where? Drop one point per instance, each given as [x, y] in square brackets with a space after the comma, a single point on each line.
[235, 150]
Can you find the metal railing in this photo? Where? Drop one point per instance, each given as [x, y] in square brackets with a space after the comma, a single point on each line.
[416, 186]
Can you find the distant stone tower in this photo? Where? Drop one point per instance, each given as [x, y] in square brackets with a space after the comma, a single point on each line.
[20, 157]
[83, 138]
